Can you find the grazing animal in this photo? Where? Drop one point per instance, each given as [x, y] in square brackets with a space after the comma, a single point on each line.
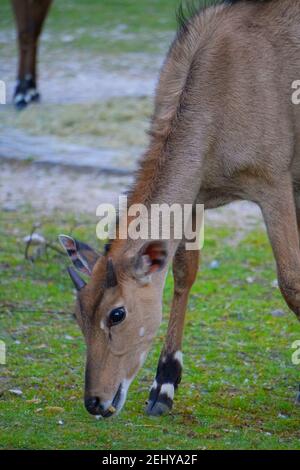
[30, 16]
[224, 129]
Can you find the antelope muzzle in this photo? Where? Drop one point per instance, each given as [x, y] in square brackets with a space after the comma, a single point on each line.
[97, 407]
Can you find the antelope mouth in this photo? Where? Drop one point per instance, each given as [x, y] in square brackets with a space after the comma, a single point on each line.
[115, 407]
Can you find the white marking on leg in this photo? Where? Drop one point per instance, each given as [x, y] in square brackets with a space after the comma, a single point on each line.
[168, 389]
[178, 357]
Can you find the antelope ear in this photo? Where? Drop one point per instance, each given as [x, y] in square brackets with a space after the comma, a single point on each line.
[82, 255]
[151, 258]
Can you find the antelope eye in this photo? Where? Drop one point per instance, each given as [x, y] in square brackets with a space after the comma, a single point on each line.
[116, 316]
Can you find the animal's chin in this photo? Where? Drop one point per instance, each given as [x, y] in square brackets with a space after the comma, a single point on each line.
[117, 403]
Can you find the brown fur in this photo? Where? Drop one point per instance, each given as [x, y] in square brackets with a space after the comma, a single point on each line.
[224, 129]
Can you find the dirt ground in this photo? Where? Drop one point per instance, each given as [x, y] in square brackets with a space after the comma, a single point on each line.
[84, 78]
[79, 192]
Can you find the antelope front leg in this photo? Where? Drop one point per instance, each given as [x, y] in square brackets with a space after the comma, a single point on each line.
[168, 375]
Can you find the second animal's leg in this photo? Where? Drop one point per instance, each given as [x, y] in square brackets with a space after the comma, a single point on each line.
[20, 8]
[29, 15]
[168, 375]
[38, 12]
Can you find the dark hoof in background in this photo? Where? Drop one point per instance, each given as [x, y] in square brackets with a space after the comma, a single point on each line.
[19, 98]
[33, 96]
[25, 93]
[20, 102]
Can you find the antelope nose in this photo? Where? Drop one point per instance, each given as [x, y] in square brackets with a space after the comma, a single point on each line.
[93, 405]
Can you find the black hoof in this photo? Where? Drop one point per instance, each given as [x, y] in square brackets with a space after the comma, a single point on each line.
[158, 408]
[160, 399]
[20, 102]
[33, 96]
[25, 93]
[168, 377]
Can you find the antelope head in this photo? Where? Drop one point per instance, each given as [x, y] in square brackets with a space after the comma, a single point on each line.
[119, 312]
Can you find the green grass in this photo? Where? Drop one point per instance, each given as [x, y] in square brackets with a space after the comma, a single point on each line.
[239, 383]
[105, 26]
